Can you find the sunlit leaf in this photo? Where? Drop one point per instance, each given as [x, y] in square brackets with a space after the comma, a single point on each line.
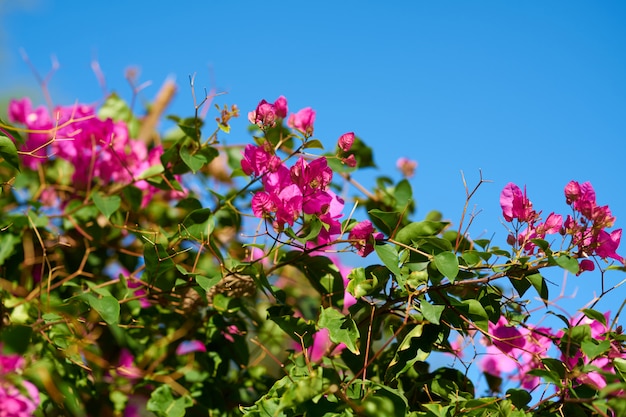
[8, 152]
[342, 329]
[106, 204]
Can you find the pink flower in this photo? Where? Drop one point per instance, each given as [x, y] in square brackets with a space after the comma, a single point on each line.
[262, 205]
[350, 161]
[280, 107]
[582, 197]
[363, 237]
[505, 337]
[585, 265]
[552, 224]
[15, 404]
[345, 141]
[495, 362]
[289, 205]
[10, 363]
[311, 177]
[257, 160]
[608, 244]
[406, 166]
[303, 121]
[516, 205]
[37, 120]
[266, 114]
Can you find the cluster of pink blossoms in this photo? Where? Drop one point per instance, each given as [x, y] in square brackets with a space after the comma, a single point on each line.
[290, 193]
[96, 148]
[586, 226]
[513, 352]
[14, 401]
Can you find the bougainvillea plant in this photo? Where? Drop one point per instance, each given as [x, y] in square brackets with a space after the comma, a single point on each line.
[176, 273]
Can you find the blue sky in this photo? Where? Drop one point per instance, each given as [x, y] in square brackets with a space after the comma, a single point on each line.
[528, 92]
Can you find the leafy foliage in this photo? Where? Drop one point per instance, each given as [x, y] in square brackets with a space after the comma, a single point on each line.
[176, 276]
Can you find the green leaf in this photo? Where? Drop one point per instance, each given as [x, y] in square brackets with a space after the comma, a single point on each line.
[595, 315]
[415, 346]
[568, 263]
[342, 328]
[108, 307]
[198, 224]
[159, 266]
[207, 283]
[191, 127]
[540, 285]
[106, 204]
[194, 161]
[365, 281]
[384, 401]
[448, 264]
[134, 196]
[8, 241]
[386, 221]
[473, 310]
[16, 338]
[321, 273]
[403, 194]
[593, 349]
[472, 258]
[300, 330]
[413, 231]
[153, 171]
[8, 152]
[620, 368]
[431, 312]
[519, 397]
[164, 405]
[389, 255]
[313, 144]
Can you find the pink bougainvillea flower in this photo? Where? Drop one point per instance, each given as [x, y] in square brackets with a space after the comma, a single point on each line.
[15, 404]
[552, 224]
[262, 205]
[608, 244]
[126, 366]
[266, 114]
[288, 205]
[406, 166]
[257, 160]
[14, 401]
[581, 197]
[363, 237]
[345, 141]
[311, 177]
[303, 121]
[516, 205]
[495, 362]
[350, 160]
[39, 122]
[585, 265]
[280, 107]
[505, 337]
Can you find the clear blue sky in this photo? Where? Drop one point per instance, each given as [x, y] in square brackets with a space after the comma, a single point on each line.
[529, 92]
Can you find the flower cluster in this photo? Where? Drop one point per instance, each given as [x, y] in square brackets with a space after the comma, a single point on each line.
[16, 400]
[291, 194]
[586, 226]
[514, 352]
[96, 148]
[588, 223]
